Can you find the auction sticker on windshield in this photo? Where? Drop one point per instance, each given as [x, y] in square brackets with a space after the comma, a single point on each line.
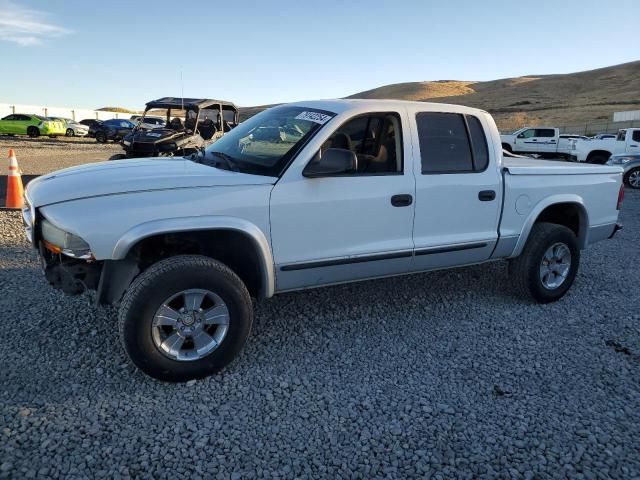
[315, 117]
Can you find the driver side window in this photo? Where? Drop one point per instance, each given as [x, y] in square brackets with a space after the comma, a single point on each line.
[376, 139]
[528, 133]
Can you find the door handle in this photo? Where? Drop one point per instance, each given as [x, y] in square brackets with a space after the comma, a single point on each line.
[487, 195]
[403, 200]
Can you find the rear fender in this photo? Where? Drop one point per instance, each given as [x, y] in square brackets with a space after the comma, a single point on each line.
[541, 206]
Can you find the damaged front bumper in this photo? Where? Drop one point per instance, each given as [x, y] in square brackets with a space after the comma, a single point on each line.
[72, 276]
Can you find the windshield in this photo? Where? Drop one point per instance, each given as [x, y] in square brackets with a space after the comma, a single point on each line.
[264, 144]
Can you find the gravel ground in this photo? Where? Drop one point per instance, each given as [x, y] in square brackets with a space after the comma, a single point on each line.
[37, 156]
[441, 375]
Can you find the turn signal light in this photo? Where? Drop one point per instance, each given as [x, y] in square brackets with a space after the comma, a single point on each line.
[51, 247]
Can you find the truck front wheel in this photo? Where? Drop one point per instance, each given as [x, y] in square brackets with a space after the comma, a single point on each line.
[547, 267]
[185, 317]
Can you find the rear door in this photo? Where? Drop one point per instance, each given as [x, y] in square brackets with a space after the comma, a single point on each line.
[21, 123]
[546, 140]
[458, 190]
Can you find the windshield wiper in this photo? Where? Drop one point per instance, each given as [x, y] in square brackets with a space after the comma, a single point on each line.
[228, 162]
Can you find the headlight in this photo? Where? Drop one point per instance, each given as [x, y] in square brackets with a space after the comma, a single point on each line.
[126, 142]
[623, 159]
[59, 241]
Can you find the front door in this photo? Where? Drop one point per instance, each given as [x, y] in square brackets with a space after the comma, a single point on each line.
[458, 191]
[527, 141]
[350, 226]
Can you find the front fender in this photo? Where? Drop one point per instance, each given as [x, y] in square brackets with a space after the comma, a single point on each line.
[210, 222]
[541, 206]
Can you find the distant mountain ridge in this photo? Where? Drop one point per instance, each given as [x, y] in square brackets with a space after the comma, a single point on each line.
[561, 99]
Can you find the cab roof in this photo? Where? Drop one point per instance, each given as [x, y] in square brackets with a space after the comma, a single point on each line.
[346, 104]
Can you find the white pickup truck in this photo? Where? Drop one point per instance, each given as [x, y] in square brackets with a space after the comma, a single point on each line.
[353, 190]
[599, 150]
[543, 141]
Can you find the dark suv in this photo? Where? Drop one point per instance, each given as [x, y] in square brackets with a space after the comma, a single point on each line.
[115, 129]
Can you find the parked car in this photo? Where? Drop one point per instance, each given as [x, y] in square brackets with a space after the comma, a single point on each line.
[92, 124]
[149, 123]
[115, 129]
[370, 189]
[73, 128]
[198, 130]
[631, 165]
[32, 125]
[598, 151]
[545, 142]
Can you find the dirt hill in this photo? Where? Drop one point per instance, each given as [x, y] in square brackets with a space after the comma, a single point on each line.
[568, 99]
[573, 99]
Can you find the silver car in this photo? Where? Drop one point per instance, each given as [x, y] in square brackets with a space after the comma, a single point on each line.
[631, 165]
[73, 128]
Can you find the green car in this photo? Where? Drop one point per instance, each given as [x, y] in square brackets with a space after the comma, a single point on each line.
[32, 125]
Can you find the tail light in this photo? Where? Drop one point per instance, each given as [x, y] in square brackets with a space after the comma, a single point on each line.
[620, 197]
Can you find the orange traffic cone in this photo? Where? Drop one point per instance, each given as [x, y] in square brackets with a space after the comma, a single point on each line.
[15, 190]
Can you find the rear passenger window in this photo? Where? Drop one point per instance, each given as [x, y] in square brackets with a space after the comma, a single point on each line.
[636, 136]
[451, 143]
[545, 132]
[478, 143]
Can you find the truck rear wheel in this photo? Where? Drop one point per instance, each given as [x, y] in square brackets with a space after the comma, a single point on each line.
[185, 317]
[547, 267]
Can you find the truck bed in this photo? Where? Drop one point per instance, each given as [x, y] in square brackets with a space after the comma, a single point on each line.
[533, 166]
[531, 185]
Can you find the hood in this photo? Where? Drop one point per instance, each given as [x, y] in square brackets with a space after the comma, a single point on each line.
[135, 175]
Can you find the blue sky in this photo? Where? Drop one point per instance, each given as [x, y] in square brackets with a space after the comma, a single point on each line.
[92, 54]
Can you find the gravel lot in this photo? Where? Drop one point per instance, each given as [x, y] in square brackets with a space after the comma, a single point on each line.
[37, 156]
[441, 375]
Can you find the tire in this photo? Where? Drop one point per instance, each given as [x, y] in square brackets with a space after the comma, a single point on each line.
[118, 156]
[632, 178]
[70, 132]
[597, 159]
[165, 283]
[525, 271]
[101, 137]
[33, 132]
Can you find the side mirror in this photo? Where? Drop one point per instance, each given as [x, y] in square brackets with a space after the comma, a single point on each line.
[334, 161]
